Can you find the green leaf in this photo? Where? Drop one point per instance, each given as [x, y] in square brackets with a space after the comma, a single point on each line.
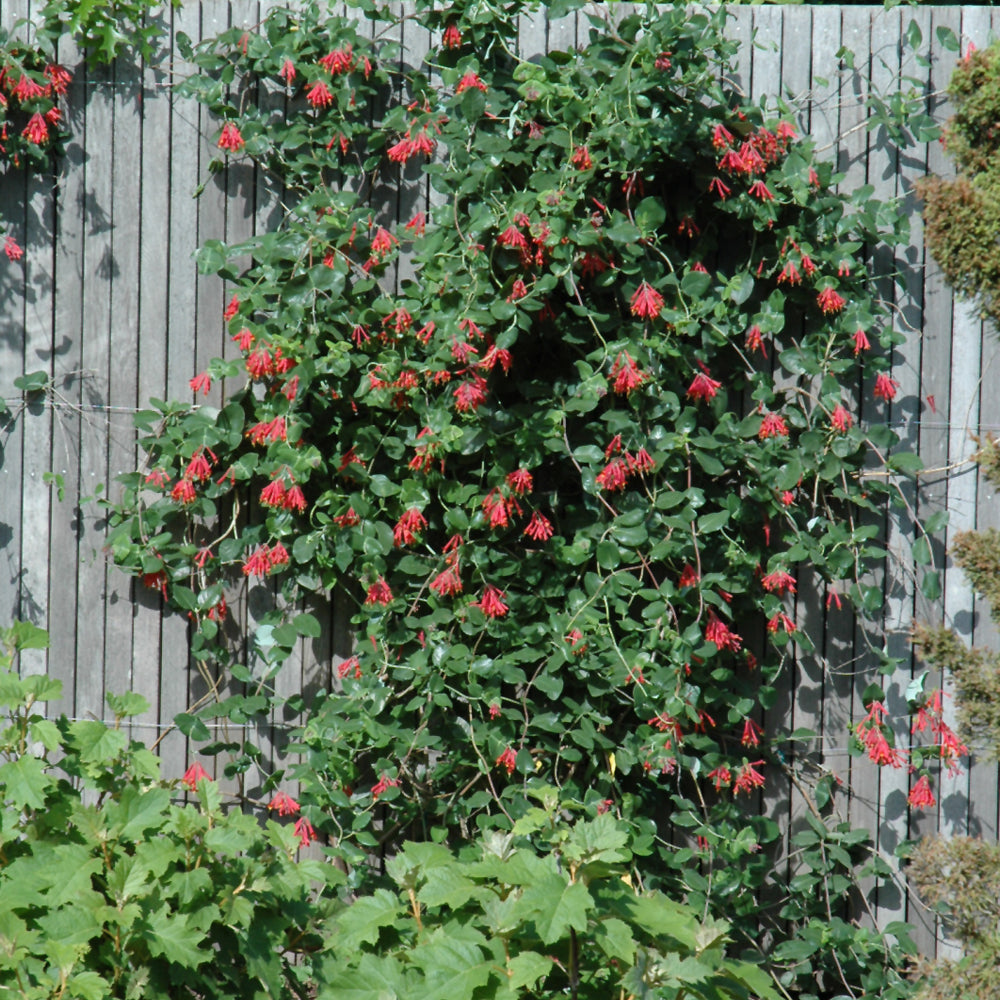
[307, 625]
[126, 705]
[650, 214]
[173, 936]
[25, 782]
[361, 922]
[557, 907]
[191, 726]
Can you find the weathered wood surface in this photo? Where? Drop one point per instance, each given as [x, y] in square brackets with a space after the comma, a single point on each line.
[108, 302]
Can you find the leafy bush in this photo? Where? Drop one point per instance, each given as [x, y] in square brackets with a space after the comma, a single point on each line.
[109, 887]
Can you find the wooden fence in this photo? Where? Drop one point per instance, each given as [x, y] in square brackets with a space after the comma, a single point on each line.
[107, 301]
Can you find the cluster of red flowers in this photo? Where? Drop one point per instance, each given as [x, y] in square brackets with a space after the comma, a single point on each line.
[646, 302]
[625, 376]
[719, 633]
[528, 239]
[277, 496]
[930, 716]
[616, 474]
[264, 558]
[507, 760]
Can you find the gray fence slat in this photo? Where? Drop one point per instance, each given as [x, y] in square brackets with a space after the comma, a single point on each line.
[112, 291]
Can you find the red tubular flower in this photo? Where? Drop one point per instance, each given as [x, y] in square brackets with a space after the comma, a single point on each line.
[689, 577]
[646, 302]
[319, 95]
[751, 733]
[779, 582]
[304, 831]
[231, 141]
[279, 555]
[885, 387]
[379, 593]
[718, 632]
[273, 495]
[581, 158]
[36, 131]
[383, 785]
[748, 778]
[447, 582]
[722, 138]
[201, 383]
[258, 563]
[759, 190]
[773, 425]
[840, 419]
[754, 340]
[469, 82]
[491, 603]
[198, 468]
[721, 776]
[12, 249]
[194, 774]
[287, 72]
[921, 796]
[452, 38]
[294, 499]
[183, 492]
[284, 804]
[508, 760]
[408, 527]
[830, 301]
[470, 395]
[59, 78]
[520, 481]
[27, 90]
[721, 190]
[338, 61]
[513, 238]
[861, 342]
[781, 620]
[614, 475]
[539, 527]
[641, 461]
[157, 477]
[232, 308]
[703, 387]
[625, 375]
[789, 275]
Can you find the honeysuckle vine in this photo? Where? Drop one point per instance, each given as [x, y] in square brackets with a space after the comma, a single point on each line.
[568, 464]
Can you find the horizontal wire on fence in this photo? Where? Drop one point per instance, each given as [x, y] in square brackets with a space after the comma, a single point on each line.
[830, 751]
[934, 425]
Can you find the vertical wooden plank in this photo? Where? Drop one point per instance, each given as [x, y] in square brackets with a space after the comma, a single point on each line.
[838, 644]
[903, 414]
[70, 380]
[98, 267]
[153, 284]
[181, 355]
[910, 165]
[13, 193]
[123, 354]
[38, 417]
[936, 360]
[863, 806]
[806, 710]
[963, 419]
[739, 25]
[764, 78]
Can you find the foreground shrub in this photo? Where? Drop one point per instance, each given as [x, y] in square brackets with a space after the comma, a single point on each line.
[112, 887]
